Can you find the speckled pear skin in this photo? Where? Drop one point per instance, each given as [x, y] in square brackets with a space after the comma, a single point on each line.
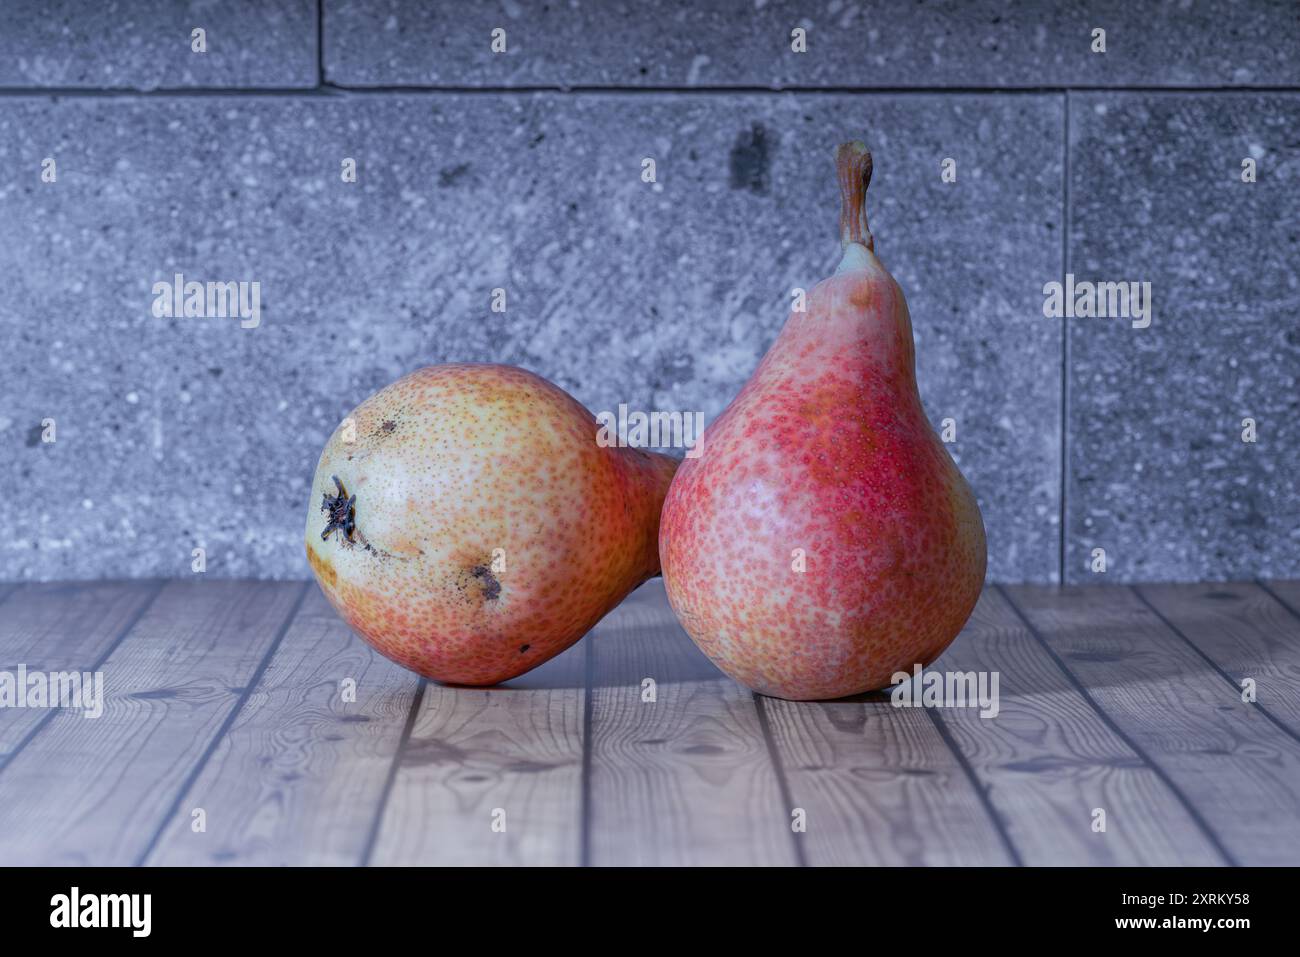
[451, 464]
[826, 450]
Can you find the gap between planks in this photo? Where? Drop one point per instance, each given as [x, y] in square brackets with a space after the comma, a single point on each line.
[1143, 659]
[595, 774]
[298, 773]
[92, 792]
[102, 614]
[219, 738]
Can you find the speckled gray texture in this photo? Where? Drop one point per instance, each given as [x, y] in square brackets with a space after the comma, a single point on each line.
[174, 433]
[892, 43]
[1158, 474]
[146, 44]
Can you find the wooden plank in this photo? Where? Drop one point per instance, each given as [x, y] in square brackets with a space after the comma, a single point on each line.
[299, 778]
[474, 752]
[95, 791]
[1048, 758]
[1234, 769]
[686, 779]
[880, 785]
[1246, 633]
[61, 627]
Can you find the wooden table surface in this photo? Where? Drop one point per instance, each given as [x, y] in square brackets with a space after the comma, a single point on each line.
[225, 707]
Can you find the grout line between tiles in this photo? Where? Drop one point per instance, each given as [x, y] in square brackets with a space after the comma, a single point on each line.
[1065, 342]
[324, 88]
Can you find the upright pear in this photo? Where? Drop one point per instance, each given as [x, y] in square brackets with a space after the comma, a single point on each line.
[823, 539]
[468, 522]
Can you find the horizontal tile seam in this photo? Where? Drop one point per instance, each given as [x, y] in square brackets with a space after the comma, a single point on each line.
[335, 90]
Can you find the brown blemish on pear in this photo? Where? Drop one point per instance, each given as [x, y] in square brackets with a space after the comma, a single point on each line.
[321, 567]
[491, 587]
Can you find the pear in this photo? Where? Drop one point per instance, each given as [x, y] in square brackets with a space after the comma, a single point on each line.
[821, 539]
[468, 523]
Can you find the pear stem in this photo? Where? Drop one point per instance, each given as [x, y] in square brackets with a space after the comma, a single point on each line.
[853, 164]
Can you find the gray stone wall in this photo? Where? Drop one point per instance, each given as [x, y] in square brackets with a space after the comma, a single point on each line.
[522, 170]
